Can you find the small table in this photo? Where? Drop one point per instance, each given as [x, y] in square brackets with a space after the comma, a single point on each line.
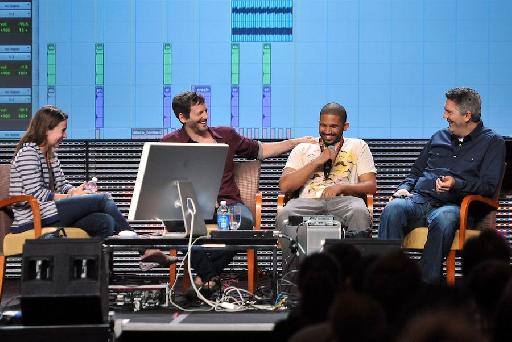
[115, 243]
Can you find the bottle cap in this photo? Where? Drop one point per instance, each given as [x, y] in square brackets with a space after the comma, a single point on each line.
[94, 179]
[222, 202]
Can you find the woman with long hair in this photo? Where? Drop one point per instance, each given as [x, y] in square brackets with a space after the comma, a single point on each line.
[36, 171]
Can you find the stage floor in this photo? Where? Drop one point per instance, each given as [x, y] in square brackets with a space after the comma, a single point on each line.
[195, 322]
[163, 323]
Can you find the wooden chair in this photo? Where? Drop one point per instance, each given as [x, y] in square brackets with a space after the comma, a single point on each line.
[481, 209]
[247, 177]
[12, 244]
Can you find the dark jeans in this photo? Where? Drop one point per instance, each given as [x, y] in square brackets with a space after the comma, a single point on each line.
[401, 215]
[97, 214]
[210, 264]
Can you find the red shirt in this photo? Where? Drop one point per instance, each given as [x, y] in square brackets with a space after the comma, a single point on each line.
[238, 146]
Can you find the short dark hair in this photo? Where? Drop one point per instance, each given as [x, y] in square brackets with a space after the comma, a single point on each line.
[467, 100]
[182, 103]
[335, 108]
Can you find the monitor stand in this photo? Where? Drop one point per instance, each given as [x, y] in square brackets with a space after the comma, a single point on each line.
[188, 204]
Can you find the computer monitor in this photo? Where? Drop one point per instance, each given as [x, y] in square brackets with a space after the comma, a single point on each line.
[161, 186]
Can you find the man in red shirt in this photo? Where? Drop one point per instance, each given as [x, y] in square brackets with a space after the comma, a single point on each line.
[190, 109]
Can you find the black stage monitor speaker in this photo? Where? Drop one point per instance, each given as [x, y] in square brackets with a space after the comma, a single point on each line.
[64, 281]
[368, 246]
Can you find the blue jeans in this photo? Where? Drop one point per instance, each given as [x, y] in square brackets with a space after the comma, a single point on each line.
[97, 214]
[402, 215]
[210, 264]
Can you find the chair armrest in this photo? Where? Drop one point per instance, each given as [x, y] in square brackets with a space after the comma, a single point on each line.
[34, 206]
[257, 219]
[281, 200]
[369, 204]
[464, 212]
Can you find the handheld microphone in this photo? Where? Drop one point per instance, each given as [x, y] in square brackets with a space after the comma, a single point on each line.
[328, 164]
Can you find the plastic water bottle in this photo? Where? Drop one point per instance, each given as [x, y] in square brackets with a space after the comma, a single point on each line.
[92, 185]
[223, 216]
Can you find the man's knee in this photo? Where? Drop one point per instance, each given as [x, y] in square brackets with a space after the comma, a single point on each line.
[282, 217]
[352, 213]
[446, 219]
[396, 207]
[360, 212]
[393, 219]
[359, 218]
[450, 218]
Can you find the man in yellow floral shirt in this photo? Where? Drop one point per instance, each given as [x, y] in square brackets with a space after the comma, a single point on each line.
[330, 176]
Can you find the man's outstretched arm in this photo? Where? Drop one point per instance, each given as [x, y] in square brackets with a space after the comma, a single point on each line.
[276, 148]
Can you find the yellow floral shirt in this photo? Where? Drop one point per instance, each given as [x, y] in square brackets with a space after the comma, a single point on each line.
[354, 159]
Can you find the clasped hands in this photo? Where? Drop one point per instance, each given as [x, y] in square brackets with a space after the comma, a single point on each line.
[443, 184]
[333, 191]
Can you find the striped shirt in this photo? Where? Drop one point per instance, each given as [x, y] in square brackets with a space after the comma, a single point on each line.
[29, 176]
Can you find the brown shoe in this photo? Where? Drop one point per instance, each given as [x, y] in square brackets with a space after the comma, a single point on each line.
[159, 257]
